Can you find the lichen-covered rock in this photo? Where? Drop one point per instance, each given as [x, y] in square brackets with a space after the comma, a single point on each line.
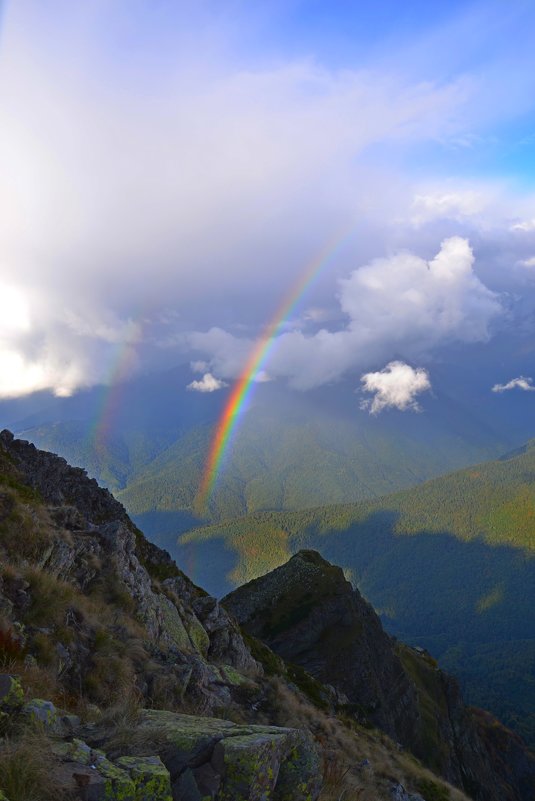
[11, 693]
[263, 765]
[43, 712]
[118, 785]
[152, 781]
[232, 676]
[80, 752]
[217, 759]
[214, 632]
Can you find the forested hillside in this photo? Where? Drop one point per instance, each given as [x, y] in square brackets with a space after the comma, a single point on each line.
[449, 564]
[289, 453]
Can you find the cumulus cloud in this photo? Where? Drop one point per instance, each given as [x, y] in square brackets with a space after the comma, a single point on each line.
[522, 382]
[189, 181]
[208, 383]
[395, 386]
[401, 304]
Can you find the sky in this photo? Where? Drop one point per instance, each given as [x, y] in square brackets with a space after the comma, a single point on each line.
[169, 171]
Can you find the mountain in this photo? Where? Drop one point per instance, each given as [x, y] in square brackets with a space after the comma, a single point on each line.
[309, 614]
[124, 680]
[147, 441]
[449, 564]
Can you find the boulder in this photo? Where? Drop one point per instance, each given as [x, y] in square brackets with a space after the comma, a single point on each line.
[152, 781]
[42, 712]
[209, 757]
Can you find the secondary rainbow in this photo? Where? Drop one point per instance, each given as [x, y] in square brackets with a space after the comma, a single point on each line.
[122, 361]
[258, 357]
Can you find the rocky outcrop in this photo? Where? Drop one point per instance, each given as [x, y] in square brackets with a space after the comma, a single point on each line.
[217, 759]
[90, 540]
[169, 756]
[68, 540]
[308, 614]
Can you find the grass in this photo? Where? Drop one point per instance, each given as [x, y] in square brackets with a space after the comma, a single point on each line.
[25, 769]
[358, 764]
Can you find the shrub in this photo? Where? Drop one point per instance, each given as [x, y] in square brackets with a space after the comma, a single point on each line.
[433, 791]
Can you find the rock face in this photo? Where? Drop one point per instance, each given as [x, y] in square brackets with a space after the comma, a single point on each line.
[85, 589]
[308, 614]
[91, 540]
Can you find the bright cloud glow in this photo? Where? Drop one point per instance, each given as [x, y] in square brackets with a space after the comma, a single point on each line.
[395, 386]
[208, 383]
[14, 311]
[166, 170]
[522, 382]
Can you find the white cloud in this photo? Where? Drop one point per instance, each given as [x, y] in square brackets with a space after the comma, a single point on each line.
[522, 382]
[397, 305]
[524, 225]
[14, 312]
[208, 383]
[193, 175]
[527, 262]
[395, 386]
[455, 205]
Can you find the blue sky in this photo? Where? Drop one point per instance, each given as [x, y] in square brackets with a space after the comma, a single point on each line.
[170, 168]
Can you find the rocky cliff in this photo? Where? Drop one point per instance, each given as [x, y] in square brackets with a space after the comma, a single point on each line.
[98, 619]
[121, 680]
[309, 614]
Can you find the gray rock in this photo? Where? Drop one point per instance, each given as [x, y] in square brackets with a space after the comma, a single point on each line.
[398, 793]
[42, 712]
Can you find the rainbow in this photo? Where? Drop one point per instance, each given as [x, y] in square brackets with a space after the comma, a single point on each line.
[243, 388]
[121, 363]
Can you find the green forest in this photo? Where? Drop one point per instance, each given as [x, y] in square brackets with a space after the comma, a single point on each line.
[449, 565]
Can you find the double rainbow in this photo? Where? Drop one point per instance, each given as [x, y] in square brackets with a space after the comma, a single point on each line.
[243, 388]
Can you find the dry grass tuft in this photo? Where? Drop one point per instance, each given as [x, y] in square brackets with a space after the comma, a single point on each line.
[358, 764]
[25, 769]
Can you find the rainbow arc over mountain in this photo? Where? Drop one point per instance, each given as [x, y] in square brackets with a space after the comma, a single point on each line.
[260, 353]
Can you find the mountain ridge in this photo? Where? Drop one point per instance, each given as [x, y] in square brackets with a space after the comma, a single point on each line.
[89, 603]
[448, 564]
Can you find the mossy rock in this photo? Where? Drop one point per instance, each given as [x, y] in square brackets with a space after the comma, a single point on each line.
[11, 693]
[198, 635]
[248, 763]
[76, 751]
[173, 625]
[42, 712]
[118, 784]
[152, 781]
[232, 676]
